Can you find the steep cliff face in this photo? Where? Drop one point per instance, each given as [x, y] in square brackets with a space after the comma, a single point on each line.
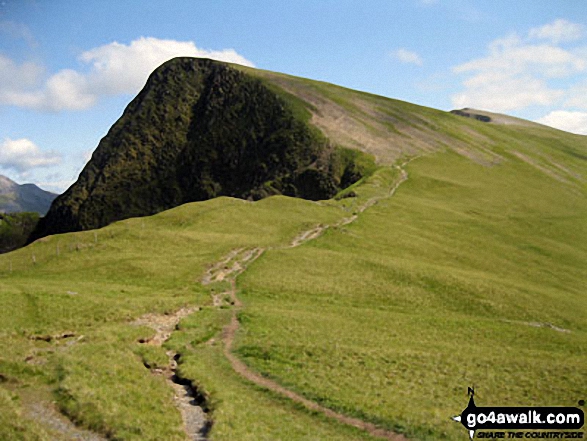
[201, 129]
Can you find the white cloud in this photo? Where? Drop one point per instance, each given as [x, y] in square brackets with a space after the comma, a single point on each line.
[517, 72]
[119, 68]
[408, 57]
[23, 155]
[504, 94]
[15, 77]
[112, 69]
[574, 122]
[513, 56]
[558, 31]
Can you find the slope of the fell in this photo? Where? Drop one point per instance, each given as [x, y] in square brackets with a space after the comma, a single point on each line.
[465, 274]
[69, 336]
[201, 129]
[468, 275]
[391, 129]
[23, 198]
[469, 272]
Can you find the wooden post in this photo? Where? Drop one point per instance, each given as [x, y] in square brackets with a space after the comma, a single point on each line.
[34, 260]
[95, 237]
[57, 250]
[10, 265]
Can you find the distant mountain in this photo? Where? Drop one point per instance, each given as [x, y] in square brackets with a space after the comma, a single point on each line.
[27, 197]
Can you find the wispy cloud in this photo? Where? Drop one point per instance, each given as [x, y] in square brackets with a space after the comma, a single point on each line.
[407, 57]
[558, 31]
[519, 72]
[114, 69]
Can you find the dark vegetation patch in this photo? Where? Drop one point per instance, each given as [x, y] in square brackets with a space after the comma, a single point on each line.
[478, 117]
[15, 228]
[201, 129]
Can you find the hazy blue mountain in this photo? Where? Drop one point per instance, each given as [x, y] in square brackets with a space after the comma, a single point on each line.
[26, 197]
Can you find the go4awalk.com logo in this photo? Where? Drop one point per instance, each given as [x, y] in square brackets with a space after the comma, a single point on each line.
[549, 420]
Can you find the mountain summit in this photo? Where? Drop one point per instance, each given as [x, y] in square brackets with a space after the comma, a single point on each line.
[201, 129]
[25, 197]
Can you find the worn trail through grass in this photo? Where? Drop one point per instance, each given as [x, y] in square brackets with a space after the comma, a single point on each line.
[196, 424]
[236, 262]
[58, 425]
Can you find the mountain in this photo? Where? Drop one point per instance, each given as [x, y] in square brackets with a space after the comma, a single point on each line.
[26, 197]
[201, 129]
[458, 261]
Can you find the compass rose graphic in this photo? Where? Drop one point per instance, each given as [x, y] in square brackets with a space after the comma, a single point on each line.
[469, 409]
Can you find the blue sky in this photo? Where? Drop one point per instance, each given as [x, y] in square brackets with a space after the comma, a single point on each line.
[68, 68]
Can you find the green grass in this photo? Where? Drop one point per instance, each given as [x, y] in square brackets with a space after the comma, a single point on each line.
[94, 284]
[12, 425]
[240, 409]
[429, 292]
[243, 411]
[390, 318]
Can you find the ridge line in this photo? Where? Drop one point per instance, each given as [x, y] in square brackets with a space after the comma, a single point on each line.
[229, 331]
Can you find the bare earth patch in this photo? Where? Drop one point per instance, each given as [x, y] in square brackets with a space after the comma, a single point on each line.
[196, 424]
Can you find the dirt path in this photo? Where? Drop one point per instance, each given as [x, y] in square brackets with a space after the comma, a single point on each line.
[59, 426]
[318, 230]
[230, 267]
[196, 424]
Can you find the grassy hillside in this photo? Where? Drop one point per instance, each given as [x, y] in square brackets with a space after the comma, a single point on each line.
[466, 277]
[469, 272]
[89, 287]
